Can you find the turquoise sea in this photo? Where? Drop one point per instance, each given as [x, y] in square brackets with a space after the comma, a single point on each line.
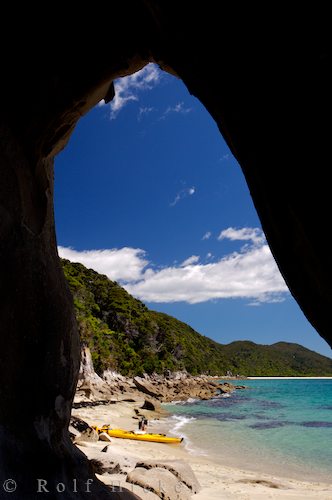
[283, 427]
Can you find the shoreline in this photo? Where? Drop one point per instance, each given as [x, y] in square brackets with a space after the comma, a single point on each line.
[251, 461]
[121, 401]
[217, 480]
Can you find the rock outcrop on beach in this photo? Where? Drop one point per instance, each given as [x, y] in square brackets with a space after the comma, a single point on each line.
[180, 388]
[179, 469]
[163, 481]
[150, 390]
[126, 337]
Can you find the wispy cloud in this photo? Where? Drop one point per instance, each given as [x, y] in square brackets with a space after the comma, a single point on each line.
[128, 88]
[225, 157]
[250, 274]
[190, 261]
[143, 111]
[183, 194]
[207, 235]
[253, 234]
[177, 108]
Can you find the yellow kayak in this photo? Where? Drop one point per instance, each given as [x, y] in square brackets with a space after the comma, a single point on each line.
[121, 433]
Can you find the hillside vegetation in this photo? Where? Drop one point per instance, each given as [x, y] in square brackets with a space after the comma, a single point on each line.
[124, 335]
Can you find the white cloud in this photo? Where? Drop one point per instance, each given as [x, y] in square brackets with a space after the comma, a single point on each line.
[253, 234]
[145, 110]
[190, 261]
[276, 299]
[128, 87]
[207, 235]
[183, 194]
[178, 108]
[124, 264]
[250, 273]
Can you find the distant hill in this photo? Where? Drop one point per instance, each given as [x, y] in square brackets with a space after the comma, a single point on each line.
[283, 359]
[124, 335]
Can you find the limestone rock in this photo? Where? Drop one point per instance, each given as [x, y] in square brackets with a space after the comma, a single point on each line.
[108, 457]
[103, 436]
[178, 468]
[146, 387]
[73, 433]
[78, 424]
[88, 435]
[226, 387]
[149, 405]
[87, 371]
[105, 467]
[161, 482]
[90, 386]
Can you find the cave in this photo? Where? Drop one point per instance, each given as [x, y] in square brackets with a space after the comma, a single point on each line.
[264, 81]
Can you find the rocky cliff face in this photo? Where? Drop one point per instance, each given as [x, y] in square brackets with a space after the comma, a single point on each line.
[92, 387]
[177, 386]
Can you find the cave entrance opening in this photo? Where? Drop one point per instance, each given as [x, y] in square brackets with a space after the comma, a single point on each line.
[145, 193]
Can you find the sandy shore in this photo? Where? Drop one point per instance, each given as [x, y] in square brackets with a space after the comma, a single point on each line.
[217, 481]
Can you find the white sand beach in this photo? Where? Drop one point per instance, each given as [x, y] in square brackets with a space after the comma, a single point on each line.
[217, 481]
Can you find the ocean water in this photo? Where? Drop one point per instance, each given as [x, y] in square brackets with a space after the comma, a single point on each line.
[281, 427]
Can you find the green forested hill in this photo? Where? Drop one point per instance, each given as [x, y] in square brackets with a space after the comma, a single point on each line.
[124, 335]
[283, 359]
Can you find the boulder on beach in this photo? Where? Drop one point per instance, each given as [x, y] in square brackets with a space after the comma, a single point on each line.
[104, 466]
[109, 461]
[87, 435]
[226, 387]
[148, 405]
[80, 431]
[103, 436]
[78, 424]
[178, 468]
[161, 482]
[152, 406]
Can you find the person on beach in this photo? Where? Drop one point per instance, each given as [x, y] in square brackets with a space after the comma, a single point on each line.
[141, 425]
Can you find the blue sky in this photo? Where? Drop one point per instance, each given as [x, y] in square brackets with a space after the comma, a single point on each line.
[148, 193]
